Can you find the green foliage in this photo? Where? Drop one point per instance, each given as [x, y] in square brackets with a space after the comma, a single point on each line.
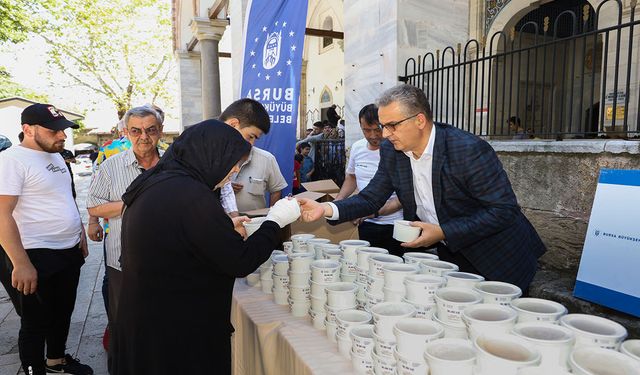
[16, 19]
[120, 49]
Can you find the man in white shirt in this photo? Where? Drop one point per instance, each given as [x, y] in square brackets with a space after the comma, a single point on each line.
[361, 167]
[451, 185]
[43, 237]
[250, 118]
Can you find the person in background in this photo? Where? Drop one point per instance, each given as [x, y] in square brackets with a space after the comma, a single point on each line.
[341, 129]
[308, 132]
[316, 135]
[307, 167]
[332, 116]
[361, 167]
[197, 261]
[517, 130]
[297, 164]
[42, 234]
[451, 185]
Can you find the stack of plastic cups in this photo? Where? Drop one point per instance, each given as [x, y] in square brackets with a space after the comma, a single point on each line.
[281, 279]
[412, 336]
[350, 259]
[299, 242]
[394, 275]
[347, 320]
[385, 317]
[362, 343]
[266, 276]
[362, 270]
[314, 245]
[299, 277]
[331, 251]
[416, 257]
[375, 280]
[421, 291]
[340, 296]
[450, 302]
[437, 267]
[323, 273]
[287, 246]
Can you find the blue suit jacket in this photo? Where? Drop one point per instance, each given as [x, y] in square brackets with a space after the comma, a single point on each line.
[476, 207]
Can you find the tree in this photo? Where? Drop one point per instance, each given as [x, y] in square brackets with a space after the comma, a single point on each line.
[120, 49]
[16, 19]
[9, 88]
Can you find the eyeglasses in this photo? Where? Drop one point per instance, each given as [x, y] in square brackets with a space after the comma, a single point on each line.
[150, 131]
[391, 126]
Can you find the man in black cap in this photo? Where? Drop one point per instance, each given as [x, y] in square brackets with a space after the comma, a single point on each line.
[43, 237]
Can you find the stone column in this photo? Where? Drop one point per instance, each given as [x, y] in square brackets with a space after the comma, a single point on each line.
[209, 32]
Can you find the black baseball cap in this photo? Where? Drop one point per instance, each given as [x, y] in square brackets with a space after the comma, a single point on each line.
[46, 116]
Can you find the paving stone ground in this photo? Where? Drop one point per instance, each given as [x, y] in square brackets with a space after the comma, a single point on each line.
[89, 317]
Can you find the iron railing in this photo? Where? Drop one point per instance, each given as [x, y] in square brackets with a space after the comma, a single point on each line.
[583, 85]
[330, 160]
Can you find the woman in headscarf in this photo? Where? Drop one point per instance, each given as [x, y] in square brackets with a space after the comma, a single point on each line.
[181, 255]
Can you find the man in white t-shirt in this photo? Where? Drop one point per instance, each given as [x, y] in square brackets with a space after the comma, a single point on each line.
[43, 237]
[362, 166]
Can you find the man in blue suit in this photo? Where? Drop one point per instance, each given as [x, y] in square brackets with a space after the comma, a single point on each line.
[451, 185]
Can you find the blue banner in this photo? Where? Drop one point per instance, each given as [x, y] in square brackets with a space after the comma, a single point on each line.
[271, 73]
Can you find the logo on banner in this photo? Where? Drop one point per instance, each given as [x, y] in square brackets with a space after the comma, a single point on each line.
[271, 50]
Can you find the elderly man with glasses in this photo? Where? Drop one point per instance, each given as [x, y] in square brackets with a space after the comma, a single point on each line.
[143, 128]
[451, 185]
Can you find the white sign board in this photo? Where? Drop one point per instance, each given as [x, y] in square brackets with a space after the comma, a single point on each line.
[609, 272]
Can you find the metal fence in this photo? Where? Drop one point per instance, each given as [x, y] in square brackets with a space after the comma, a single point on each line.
[574, 77]
[330, 160]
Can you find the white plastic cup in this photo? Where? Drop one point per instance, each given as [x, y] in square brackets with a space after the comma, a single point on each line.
[298, 308]
[423, 311]
[287, 247]
[314, 246]
[317, 290]
[504, 354]
[364, 253]
[299, 279]
[497, 292]
[348, 277]
[318, 318]
[300, 293]
[253, 279]
[344, 344]
[538, 310]
[280, 264]
[452, 331]
[437, 267]
[362, 364]
[384, 346]
[332, 312]
[331, 327]
[300, 262]
[415, 257]
[593, 360]
[421, 289]
[349, 248]
[554, 342]
[348, 319]
[413, 334]
[387, 314]
[373, 299]
[281, 297]
[300, 242]
[450, 356]
[487, 318]
[341, 295]
[375, 284]
[348, 266]
[317, 303]
[332, 253]
[595, 331]
[325, 271]
[395, 273]
[377, 261]
[266, 285]
[384, 365]
[252, 226]
[409, 366]
[280, 282]
[463, 279]
[404, 232]
[452, 301]
[362, 339]
[631, 348]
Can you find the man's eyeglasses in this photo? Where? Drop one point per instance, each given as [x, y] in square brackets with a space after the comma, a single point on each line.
[150, 131]
[391, 126]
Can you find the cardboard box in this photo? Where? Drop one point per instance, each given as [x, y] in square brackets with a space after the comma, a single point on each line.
[321, 191]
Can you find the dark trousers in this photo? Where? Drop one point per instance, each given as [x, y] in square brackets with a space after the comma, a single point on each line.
[381, 236]
[115, 284]
[105, 278]
[46, 315]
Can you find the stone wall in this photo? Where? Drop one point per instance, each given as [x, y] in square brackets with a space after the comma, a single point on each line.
[555, 184]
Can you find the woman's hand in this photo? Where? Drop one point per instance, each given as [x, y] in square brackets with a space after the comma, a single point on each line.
[237, 225]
